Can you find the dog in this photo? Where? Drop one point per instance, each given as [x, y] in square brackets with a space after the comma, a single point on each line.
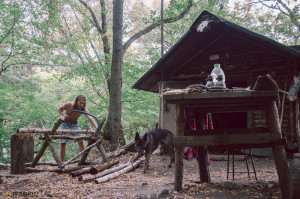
[150, 141]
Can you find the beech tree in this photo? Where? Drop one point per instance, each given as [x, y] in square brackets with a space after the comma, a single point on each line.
[115, 57]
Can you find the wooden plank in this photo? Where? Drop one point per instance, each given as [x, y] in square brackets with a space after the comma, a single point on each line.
[267, 94]
[223, 140]
[224, 101]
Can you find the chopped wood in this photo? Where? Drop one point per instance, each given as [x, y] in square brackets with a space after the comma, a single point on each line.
[89, 177]
[136, 157]
[59, 131]
[83, 151]
[80, 172]
[118, 173]
[95, 169]
[71, 169]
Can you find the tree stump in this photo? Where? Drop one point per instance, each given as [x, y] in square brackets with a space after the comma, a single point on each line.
[22, 151]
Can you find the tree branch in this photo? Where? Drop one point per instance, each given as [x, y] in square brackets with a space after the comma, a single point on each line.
[154, 25]
[289, 12]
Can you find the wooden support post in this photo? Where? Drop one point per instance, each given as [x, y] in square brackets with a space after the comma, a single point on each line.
[297, 124]
[202, 158]
[203, 162]
[272, 120]
[22, 151]
[179, 150]
[45, 145]
[48, 140]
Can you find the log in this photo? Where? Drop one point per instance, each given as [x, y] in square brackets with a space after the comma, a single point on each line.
[57, 170]
[58, 132]
[50, 163]
[10, 176]
[102, 151]
[39, 155]
[99, 146]
[80, 172]
[90, 177]
[52, 149]
[90, 142]
[69, 137]
[72, 169]
[22, 151]
[46, 144]
[32, 169]
[83, 151]
[95, 169]
[56, 126]
[118, 173]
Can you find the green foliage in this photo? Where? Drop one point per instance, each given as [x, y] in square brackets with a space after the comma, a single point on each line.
[47, 60]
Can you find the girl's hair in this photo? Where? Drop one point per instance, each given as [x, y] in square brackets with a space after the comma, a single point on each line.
[79, 97]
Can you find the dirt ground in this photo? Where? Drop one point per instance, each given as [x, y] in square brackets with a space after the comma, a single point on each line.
[158, 182]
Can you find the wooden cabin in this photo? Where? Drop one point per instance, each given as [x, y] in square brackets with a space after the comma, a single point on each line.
[244, 55]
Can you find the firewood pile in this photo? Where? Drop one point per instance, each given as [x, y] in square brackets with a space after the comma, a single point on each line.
[94, 171]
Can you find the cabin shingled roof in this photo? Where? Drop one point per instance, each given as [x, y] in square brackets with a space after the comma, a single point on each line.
[192, 42]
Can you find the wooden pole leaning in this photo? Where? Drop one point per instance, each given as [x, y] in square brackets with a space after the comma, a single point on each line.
[82, 152]
[273, 124]
[86, 153]
[46, 144]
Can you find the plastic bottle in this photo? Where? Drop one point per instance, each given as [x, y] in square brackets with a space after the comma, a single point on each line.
[218, 73]
[209, 82]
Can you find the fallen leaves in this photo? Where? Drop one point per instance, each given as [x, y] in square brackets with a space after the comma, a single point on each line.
[136, 184]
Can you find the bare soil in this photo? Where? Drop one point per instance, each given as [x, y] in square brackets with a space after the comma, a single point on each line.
[158, 182]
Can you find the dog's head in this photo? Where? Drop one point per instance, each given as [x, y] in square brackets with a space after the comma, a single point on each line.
[140, 143]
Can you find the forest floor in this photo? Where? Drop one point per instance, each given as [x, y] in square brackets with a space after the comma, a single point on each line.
[158, 182]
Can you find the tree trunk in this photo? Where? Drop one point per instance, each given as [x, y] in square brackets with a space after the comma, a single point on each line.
[115, 84]
[22, 151]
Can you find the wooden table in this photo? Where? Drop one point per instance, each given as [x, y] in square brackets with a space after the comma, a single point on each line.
[229, 101]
